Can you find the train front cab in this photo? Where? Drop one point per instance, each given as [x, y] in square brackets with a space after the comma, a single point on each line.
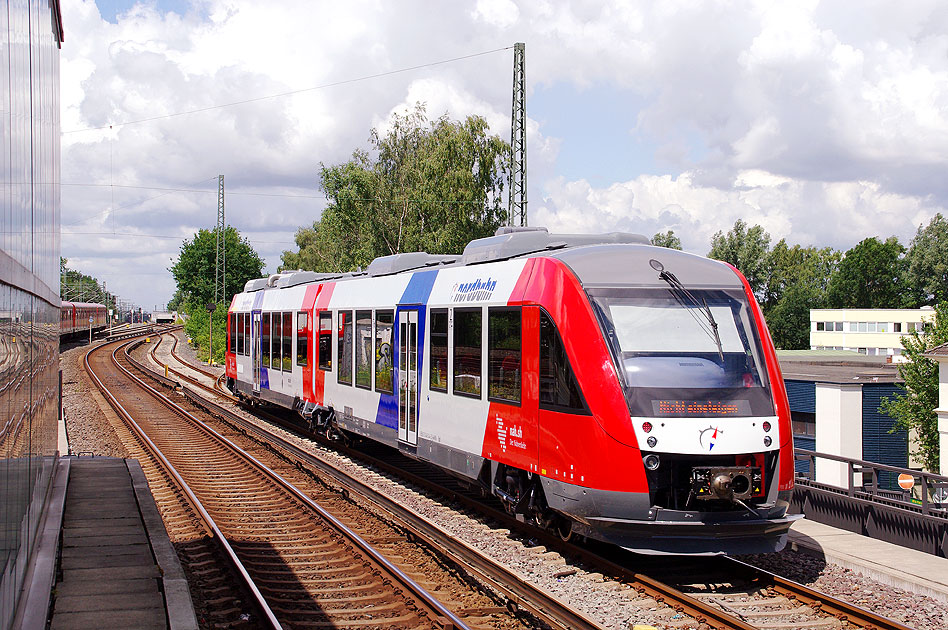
[704, 442]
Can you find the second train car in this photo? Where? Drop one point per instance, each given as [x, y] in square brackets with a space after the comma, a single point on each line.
[594, 383]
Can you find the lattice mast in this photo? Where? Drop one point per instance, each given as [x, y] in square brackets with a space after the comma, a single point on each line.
[517, 208]
[220, 264]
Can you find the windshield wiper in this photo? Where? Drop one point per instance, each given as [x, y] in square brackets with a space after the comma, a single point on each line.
[678, 291]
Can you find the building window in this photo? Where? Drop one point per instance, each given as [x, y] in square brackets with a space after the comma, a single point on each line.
[325, 340]
[438, 378]
[265, 321]
[503, 354]
[882, 327]
[804, 424]
[302, 339]
[558, 388]
[863, 326]
[897, 327]
[853, 327]
[820, 326]
[287, 342]
[344, 375]
[467, 352]
[839, 326]
[363, 340]
[383, 351]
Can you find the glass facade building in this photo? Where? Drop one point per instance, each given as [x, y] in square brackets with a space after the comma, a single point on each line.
[31, 32]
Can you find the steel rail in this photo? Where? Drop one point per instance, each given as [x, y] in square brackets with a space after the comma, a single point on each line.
[519, 593]
[209, 523]
[448, 618]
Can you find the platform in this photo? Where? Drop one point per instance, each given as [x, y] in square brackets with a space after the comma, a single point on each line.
[908, 569]
[117, 566]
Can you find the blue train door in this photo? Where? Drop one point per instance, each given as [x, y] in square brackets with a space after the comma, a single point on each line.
[408, 376]
[255, 366]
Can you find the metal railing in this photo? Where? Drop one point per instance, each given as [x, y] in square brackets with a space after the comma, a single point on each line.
[915, 517]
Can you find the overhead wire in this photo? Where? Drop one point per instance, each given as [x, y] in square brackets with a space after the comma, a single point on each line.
[323, 86]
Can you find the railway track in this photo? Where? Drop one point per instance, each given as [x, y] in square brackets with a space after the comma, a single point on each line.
[307, 567]
[716, 592]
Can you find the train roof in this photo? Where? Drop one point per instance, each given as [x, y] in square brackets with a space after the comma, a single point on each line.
[596, 259]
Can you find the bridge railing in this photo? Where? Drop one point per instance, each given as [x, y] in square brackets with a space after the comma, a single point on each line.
[916, 517]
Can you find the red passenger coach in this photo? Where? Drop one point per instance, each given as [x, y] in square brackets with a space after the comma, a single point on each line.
[593, 383]
[78, 317]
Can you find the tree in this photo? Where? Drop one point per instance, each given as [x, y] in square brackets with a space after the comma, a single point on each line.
[75, 286]
[746, 249]
[668, 239]
[796, 282]
[914, 409]
[927, 261]
[427, 186]
[194, 272]
[871, 275]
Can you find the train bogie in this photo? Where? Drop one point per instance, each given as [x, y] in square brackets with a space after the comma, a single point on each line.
[593, 383]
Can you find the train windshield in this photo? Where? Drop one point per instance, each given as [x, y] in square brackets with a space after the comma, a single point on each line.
[691, 353]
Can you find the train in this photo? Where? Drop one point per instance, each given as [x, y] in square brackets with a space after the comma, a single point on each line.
[76, 318]
[596, 385]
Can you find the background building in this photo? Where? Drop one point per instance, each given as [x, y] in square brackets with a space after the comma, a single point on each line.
[29, 280]
[866, 331]
[834, 406]
[940, 354]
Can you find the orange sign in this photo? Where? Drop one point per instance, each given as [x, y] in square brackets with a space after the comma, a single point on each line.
[906, 482]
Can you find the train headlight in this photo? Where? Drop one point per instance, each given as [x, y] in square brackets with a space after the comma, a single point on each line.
[651, 461]
[652, 441]
[767, 440]
[647, 427]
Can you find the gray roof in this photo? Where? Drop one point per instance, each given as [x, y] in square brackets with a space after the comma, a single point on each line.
[938, 352]
[838, 367]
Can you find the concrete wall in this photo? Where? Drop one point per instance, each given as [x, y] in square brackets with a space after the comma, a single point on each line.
[838, 430]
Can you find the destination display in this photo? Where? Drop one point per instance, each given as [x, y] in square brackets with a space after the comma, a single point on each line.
[701, 408]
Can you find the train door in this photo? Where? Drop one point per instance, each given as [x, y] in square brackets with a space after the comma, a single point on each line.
[255, 365]
[408, 376]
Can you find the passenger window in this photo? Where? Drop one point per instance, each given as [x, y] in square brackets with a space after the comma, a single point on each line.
[344, 375]
[302, 339]
[277, 336]
[383, 351]
[265, 323]
[363, 349]
[246, 334]
[467, 352]
[438, 378]
[240, 333]
[503, 354]
[232, 338]
[558, 388]
[325, 340]
[287, 342]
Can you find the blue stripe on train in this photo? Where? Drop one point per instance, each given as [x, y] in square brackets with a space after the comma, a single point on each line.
[416, 294]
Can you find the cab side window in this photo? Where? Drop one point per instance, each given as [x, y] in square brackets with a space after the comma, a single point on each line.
[559, 390]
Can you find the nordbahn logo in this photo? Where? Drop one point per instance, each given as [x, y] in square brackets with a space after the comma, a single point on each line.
[474, 291]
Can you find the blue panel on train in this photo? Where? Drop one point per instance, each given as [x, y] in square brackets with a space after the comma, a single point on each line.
[387, 415]
[419, 287]
[264, 378]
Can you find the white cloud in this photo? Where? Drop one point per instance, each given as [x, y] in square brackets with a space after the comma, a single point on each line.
[822, 124]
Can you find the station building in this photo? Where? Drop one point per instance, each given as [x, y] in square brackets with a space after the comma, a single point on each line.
[834, 406]
[29, 281]
[873, 332]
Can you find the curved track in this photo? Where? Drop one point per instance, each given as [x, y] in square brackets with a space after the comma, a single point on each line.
[311, 570]
[719, 592]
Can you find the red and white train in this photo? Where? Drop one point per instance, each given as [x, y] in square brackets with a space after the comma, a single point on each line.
[78, 317]
[595, 384]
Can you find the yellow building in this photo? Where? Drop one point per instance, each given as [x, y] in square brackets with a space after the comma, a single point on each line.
[866, 331]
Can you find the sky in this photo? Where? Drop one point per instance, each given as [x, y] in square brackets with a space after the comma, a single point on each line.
[822, 124]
